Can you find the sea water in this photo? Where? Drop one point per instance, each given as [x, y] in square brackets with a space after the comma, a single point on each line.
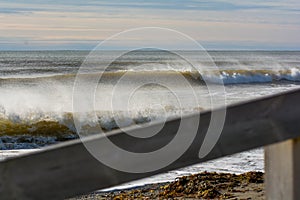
[37, 92]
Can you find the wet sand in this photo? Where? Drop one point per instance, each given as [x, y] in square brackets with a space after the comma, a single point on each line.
[205, 185]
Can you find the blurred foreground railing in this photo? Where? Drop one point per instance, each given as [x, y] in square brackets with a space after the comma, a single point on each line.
[68, 169]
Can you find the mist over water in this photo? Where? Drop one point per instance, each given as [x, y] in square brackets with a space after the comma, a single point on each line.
[36, 87]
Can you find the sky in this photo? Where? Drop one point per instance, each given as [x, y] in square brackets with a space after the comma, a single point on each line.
[215, 24]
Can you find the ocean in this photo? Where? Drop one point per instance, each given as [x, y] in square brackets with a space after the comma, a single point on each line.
[142, 86]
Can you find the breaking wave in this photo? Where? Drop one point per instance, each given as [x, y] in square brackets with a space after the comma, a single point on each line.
[36, 129]
[255, 76]
[37, 111]
[219, 77]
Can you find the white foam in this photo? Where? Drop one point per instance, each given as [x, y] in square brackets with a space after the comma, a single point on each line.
[237, 78]
[294, 75]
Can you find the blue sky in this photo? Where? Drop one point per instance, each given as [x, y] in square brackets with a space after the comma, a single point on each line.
[216, 24]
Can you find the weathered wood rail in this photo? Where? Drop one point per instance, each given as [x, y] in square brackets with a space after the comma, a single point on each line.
[68, 169]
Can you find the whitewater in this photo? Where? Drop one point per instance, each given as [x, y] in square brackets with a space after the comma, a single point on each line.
[36, 87]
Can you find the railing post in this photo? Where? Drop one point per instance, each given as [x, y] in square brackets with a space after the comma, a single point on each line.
[282, 166]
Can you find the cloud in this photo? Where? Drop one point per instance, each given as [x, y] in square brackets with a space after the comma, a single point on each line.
[212, 21]
[8, 10]
[201, 5]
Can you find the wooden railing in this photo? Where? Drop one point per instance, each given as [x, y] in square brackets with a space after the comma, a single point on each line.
[68, 169]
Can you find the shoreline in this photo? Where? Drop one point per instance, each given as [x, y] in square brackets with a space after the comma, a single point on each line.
[204, 185]
[153, 187]
[234, 164]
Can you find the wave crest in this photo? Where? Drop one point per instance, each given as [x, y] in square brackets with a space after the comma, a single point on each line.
[253, 76]
[222, 76]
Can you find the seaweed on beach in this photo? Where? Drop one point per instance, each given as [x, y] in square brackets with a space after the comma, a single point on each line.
[205, 185]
